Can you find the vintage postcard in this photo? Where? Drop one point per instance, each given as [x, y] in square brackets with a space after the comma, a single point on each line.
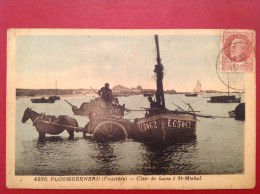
[131, 109]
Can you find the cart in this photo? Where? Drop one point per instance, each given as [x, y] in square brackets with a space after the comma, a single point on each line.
[109, 128]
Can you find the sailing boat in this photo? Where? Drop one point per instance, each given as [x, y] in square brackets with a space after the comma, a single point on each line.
[56, 97]
[163, 125]
[225, 99]
[196, 90]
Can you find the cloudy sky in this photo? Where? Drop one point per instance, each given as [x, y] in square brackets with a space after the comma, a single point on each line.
[91, 59]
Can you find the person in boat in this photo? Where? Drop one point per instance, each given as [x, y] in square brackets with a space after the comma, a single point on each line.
[106, 93]
[153, 104]
[154, 107]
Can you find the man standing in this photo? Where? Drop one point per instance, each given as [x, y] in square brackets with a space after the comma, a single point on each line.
[106, 93]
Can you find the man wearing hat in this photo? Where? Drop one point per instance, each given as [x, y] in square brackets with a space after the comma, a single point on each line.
[106, 93]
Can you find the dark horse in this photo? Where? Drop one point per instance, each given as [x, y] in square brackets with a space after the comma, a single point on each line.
[46, 124]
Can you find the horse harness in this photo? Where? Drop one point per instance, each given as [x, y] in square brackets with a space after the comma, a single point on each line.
[42, 117]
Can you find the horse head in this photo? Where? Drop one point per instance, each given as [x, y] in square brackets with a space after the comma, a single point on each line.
[26, 114]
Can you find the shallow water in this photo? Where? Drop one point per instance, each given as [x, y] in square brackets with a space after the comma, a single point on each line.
[218, 148]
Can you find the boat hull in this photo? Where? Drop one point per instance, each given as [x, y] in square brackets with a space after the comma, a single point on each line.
[224, 99]
[191, 94]
[169, 127]
[40, 100]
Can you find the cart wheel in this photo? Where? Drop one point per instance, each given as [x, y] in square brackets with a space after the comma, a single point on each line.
[110, 131]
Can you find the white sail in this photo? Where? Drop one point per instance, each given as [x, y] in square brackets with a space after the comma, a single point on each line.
[197, 88]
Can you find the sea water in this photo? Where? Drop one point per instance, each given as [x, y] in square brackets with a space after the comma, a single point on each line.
[217, 149]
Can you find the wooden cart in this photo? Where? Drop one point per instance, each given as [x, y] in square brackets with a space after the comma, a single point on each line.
[109, 128]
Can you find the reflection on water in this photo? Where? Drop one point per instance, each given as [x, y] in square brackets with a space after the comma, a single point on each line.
[105, 158]
[165, 159]
[218, 148]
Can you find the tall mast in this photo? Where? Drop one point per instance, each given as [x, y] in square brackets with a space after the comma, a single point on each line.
[56, 91]
[158, 69]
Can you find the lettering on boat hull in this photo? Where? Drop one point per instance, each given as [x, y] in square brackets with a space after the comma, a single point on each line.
[167, 127]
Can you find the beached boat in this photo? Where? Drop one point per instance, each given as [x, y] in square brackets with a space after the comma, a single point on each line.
[161, 125]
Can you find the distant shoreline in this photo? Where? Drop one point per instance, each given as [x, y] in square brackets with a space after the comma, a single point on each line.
[95, 95]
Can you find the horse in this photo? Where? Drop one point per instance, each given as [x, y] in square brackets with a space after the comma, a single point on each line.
[46, 124]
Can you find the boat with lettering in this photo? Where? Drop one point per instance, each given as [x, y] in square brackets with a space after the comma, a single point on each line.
[161, 125]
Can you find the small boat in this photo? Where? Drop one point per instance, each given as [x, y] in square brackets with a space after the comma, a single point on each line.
[161, 125]
[196, 91]
[191, 94]
[56, 97]
[239, 112]
[43, 100]
[225, 99]
[147, 94]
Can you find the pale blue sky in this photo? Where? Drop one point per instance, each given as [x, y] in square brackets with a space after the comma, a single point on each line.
[82, 61]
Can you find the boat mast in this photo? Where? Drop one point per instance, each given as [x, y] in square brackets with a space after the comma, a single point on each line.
[158, 69]
[56, 90]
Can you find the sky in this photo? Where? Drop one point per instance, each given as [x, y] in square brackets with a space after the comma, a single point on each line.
[90, 60]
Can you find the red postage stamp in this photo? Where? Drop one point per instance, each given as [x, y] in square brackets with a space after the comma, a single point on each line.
[238, 51]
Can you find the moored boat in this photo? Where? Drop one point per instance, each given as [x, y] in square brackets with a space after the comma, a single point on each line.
[147, 94]
[225, 99]
[196, 90]
[43, 100]
[238, 113]
[167, 126]
[191, 94]
[55, 97]
[161, 125]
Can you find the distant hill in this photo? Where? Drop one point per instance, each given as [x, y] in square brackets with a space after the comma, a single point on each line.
[49, 92]
[120, 88]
